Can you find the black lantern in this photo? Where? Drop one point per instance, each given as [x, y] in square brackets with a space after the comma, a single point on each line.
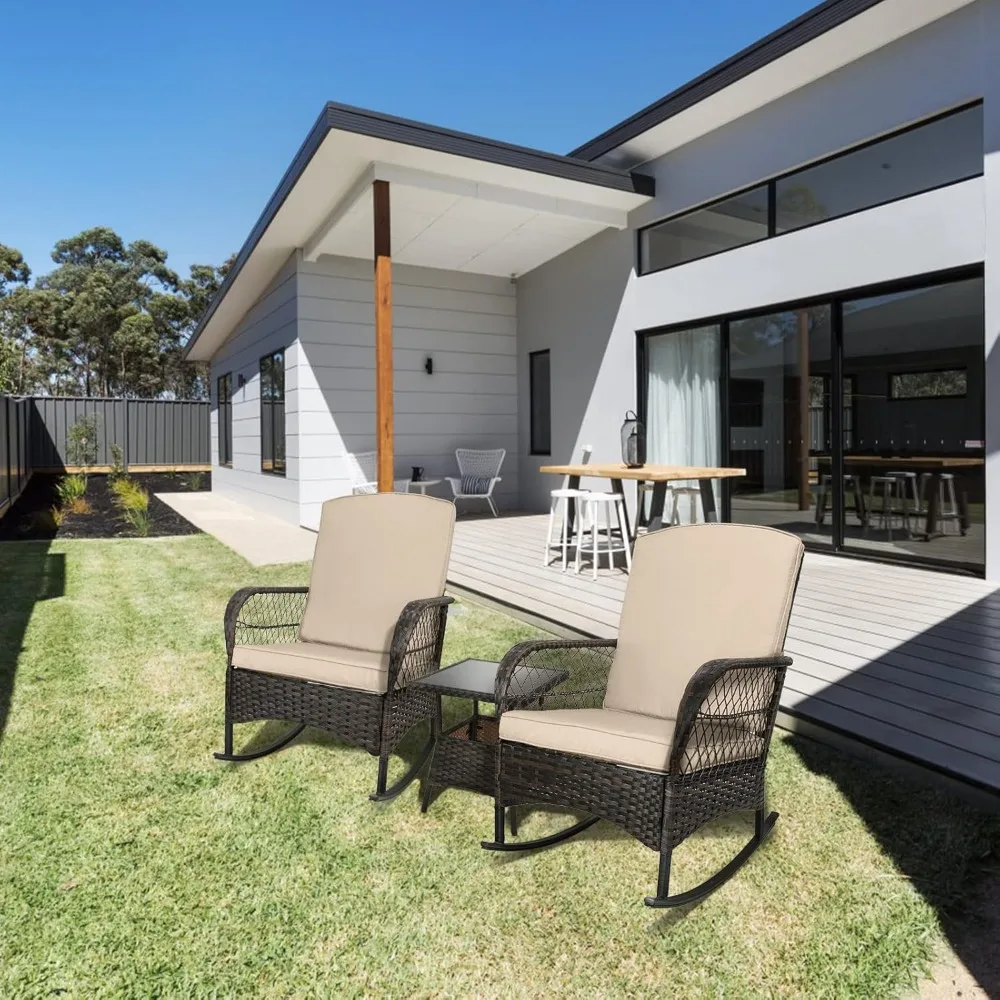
[633, 441]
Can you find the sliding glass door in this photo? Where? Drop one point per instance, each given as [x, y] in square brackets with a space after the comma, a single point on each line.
[683, 407]
[859, 420]
[779, 426]
[916, 454]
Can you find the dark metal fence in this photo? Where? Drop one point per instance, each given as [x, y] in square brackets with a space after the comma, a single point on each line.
[15, 457]
[152, 433]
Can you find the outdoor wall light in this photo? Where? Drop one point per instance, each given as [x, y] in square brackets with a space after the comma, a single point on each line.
[241, 380]
[429, 366]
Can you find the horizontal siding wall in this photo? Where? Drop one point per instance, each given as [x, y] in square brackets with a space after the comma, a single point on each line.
[467, 324]
[268, 326]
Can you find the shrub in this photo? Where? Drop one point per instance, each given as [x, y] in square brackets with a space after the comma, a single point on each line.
[79, 505]
[129, 495]
[192, 481]
[58, 515]
[137, 518]
[81, 442]
[117, 464]
[71, 488]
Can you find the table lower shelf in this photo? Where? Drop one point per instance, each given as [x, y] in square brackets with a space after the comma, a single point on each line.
[461, 761]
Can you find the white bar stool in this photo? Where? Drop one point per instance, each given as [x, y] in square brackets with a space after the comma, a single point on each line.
[947, 501]
[907, 480]
[885, 489]
[693, 494]
[559, 504]
[592, 507]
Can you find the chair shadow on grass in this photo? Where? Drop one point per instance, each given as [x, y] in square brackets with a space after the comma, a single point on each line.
[269, 732]
[30, 573]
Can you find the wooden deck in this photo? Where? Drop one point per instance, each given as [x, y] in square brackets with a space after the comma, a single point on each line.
[904, 661]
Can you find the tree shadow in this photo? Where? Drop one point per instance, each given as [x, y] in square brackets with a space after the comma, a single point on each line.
[30, 573]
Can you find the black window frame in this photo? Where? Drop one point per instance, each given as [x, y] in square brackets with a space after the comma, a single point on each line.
[837, 376]
[224, 418]
[891, 397]
[273, 471]
[535, 446]
[772, 183]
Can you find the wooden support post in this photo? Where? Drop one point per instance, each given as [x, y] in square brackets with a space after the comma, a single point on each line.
[805, 429]
[383, 336]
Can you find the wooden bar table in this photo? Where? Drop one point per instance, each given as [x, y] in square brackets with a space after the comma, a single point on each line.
[659, 475]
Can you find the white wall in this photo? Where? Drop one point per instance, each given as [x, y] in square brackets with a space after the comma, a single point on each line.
[270, 325]
[587, 305]
[990, 68]
[466, 323]
[928, 71]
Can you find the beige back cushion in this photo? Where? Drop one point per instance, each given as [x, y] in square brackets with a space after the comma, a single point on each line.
[697, 593]
[374, 554]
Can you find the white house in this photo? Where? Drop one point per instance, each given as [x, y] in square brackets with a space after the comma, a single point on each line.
[788, 265]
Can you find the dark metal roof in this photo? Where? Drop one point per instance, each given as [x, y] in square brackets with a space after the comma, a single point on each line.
[810, 25]
[344, 118]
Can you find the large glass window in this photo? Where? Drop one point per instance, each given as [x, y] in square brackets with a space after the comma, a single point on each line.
[272, 414]
[949, 149]
[942, 151]
[224, 416]
[859, 422]
[540, 386]
[683, 418]
[917, 454]
[722, 226]
[785, 356]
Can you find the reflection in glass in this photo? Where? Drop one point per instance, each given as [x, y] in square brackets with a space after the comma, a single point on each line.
[723, 226]
[779, 417]
[272, 413]
[946, 150]
[916, 361]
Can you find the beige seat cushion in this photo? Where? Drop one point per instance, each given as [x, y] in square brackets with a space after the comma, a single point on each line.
[619, 737]
[374, 555]
[312, 661]
[698, 593]
[628, 738]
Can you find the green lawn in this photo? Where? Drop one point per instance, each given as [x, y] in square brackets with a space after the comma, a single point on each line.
[132, 864]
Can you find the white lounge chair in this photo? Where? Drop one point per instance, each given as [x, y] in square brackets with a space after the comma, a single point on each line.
[478, 473]
[363, 469]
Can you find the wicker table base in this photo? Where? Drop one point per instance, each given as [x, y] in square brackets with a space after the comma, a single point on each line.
[465, 755]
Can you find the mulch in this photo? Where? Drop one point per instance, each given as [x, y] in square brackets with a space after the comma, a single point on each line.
[30, 518]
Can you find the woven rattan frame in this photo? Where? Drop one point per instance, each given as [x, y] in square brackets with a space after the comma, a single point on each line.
[375, 722]
[721, 740]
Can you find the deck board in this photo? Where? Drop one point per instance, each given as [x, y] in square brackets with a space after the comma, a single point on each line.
[903, 659]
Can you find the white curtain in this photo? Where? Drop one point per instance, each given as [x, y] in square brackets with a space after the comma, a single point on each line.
[682, 425]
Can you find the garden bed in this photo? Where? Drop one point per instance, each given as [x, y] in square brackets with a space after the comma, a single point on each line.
[31, 517]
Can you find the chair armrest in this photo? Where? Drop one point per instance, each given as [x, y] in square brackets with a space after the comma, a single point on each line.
[417, 640]
[586, 662]
[727, 713]
[264, 615]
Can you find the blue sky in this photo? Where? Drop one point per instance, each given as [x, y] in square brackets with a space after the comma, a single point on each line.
[175, 123]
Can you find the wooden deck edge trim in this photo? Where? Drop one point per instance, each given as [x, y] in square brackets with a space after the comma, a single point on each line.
[981, 796]
[789, 720]
[536, 621]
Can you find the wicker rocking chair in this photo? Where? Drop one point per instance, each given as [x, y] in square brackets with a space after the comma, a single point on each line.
[669, 726]
[340, 653]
